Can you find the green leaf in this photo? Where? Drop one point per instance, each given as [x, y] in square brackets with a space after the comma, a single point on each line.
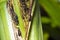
[46, 36]
[2, 34]
[53, 9]
[4, 26]
[36, 27]
[45, 20]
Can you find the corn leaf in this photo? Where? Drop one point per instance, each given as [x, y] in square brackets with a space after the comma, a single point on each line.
[36, 27]
[4, 26]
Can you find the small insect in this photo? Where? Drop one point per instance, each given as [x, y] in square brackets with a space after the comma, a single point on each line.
[19, 32]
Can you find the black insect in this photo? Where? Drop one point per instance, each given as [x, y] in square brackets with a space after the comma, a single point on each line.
[19, 32]
[14, 16]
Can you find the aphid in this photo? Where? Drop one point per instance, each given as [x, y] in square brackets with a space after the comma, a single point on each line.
[12, 13]
[19, 32]
[25, 9]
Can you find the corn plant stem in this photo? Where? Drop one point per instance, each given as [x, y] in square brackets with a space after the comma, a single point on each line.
[17, 10]
[4, 21]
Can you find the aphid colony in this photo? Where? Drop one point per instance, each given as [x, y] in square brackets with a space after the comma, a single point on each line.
[26, 8]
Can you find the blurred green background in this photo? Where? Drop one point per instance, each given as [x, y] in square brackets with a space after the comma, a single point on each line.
[50, 17]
